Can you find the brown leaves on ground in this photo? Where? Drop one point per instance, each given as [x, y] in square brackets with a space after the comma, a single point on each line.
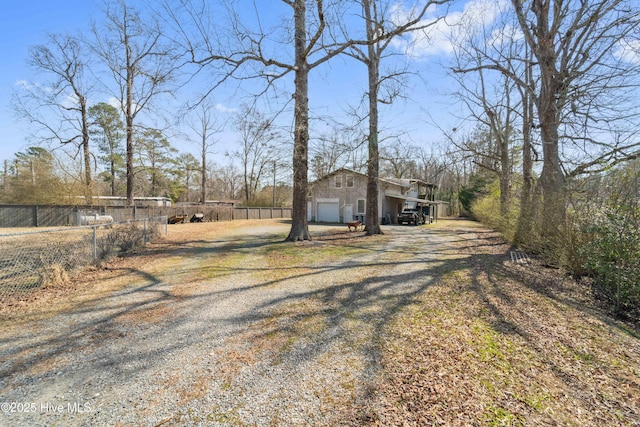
[497, 344]
[490, 343]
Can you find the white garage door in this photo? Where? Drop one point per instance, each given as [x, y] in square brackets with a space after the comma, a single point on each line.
[328, 212]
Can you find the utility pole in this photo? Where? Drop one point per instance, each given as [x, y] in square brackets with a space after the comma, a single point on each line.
[274, 184]
[5, 178]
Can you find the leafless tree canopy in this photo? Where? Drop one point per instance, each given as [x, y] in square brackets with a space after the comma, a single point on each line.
[141, 62]
[58, 108]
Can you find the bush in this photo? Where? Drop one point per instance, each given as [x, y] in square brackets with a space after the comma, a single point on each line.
[612, 258]
[53, 275]
[121, 239]
[470, 193]
[486, 209]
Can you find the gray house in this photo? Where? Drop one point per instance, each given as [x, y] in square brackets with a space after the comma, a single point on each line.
[341, 196]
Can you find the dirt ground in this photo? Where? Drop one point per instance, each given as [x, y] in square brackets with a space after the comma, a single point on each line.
[446, 330]
[94, 282]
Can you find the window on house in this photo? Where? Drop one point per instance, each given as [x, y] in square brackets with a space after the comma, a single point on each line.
[338, 181]
[349, 179]
[361, 206]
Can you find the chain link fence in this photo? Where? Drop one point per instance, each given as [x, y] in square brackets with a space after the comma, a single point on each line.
[30, 261]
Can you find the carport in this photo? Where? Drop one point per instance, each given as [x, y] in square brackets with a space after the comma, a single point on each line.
[394, 203]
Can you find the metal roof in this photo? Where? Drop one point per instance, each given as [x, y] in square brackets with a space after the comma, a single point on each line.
[402, 182]
[410, 199]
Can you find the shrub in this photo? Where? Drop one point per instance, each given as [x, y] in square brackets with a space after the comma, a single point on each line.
[486, 209]
[128, 237]
[469, 193]
[121, 239]
[53, 275]
[612, 258]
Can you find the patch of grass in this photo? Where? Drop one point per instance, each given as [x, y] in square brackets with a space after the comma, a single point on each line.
[583, 356]
[490, 346]
[500, 417]
[221, 416]
[538, 401]
[310, 252]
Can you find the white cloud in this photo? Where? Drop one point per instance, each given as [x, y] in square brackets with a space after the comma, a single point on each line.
[26, 85]
[114, 102]
[23, 84]
[70, 101]
[437, 38]
[224, 109]
[628, 51]
[505, 35]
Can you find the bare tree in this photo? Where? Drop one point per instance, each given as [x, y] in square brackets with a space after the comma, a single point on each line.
[525, 223]
[339, 147]
[141, 64]
[489, 100]
[580, 72]
[224, 181]
[437, 165]
[205, 127]
[380, 29]
[58, 109]
[399, 160]
[253, 53]
[258, 148]
[497, 100]
[308, 40]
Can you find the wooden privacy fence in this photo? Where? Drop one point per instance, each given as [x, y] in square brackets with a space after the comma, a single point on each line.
[56, 216]
[261, 213]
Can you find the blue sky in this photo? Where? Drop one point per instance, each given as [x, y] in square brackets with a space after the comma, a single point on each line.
[333, 88]
[23, 24]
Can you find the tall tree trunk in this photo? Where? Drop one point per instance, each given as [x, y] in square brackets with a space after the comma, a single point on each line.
[505, 173]
[88, 194]
[113, 175]
[542, 43]
[129, 115]
[247, 187]
[129, 154]
[551, 178]
[373, 164]
[299, 222]
[525, 220]
[203, 177]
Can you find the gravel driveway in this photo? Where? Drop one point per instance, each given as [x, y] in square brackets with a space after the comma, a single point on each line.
[212, 333]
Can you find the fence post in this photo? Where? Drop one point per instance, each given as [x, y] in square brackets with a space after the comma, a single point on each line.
[145, 231]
